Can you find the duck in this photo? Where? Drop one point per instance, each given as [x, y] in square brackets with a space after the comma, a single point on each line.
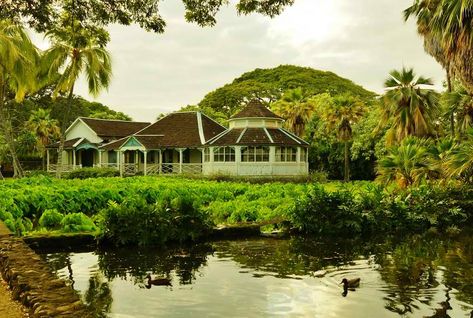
[158, 281]
[350, 283]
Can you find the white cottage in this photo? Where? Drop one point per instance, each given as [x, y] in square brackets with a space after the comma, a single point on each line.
[255, 144]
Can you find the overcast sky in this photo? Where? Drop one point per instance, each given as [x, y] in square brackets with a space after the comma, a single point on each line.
[361, 40]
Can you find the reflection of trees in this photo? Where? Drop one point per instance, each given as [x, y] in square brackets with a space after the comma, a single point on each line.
[294, 256]
[409, 269]
[125, 262]
[58, 261]
[458, 262]
[98, 296]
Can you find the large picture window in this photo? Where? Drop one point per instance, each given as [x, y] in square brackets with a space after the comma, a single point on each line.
[224, 154]
[255, 154]
[286, 154]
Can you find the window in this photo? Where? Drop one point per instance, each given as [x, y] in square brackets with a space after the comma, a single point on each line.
[258, 154]
[303, 157]
[112, 157]
[224, 154]
[286, 154]
[207, 155]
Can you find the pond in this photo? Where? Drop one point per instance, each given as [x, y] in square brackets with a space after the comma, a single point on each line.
[417, 276]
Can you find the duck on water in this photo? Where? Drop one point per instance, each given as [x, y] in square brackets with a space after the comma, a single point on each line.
[157, 281]
[350, 284]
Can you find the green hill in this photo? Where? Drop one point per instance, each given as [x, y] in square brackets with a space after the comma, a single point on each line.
[270, 84]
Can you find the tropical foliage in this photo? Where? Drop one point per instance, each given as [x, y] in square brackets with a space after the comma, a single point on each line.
[408, 106]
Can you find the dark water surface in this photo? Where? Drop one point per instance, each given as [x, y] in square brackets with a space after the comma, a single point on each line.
[418, 276]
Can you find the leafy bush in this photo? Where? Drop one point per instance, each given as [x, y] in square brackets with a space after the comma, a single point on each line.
[77, 222]
[51, 219]
[322, 212]
[86, 173]
[135, 221]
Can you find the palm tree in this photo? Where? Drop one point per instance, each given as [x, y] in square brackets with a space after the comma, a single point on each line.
[409, 108]
[18, 58]
[460, 162]
[45, 128]
[296, 109]
[447, 26]
[406, 163]
[76, 51]
[340, 114]
[458, 105]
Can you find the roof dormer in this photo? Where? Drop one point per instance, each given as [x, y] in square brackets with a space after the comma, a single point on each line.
[255, 115]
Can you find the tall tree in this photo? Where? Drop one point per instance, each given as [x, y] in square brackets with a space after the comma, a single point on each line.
[43, 15]
[76, 51]
[409, 107]
[45, 129]
[18, 58]
[296, 108]
[341, 114]
[447, 29]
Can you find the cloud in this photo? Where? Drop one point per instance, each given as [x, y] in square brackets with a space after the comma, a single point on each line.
[360, 40]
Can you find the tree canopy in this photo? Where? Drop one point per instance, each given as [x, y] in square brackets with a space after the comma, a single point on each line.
[268, 85]
[43, 15]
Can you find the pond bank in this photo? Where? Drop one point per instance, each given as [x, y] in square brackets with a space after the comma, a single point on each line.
[33, 284]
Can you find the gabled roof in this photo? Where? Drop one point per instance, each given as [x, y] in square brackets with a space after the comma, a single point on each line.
[255, 109]
[257, 137]
[179, 129]
[108, 128]
[68, 144]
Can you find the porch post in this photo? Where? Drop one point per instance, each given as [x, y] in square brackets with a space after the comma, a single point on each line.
[160, 161]
[47, 160]
[122, 162]
[180, 159]
[144, 161]
[100, 158]
[73, 158]
[118, 159]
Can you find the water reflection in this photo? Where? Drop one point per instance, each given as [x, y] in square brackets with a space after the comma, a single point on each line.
[418, 276]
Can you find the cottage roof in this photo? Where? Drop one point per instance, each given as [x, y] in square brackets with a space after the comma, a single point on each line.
[255, 109]
[257, 137]
[112, 129]
[179, 129]
[68, 144]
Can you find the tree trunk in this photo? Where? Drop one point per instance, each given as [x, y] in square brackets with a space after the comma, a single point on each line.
[346, 174]
[6, 127]
[449, 89]
[62, 139]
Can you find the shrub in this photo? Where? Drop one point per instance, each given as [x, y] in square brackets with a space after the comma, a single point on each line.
[77, 222]
[323, 212]
[51, 219]
[172, 218]
[86, 173]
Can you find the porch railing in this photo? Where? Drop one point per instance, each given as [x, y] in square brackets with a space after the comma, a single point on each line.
[107, 165]
[65, 168]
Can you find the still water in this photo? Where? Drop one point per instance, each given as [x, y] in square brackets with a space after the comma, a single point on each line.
[417, 276]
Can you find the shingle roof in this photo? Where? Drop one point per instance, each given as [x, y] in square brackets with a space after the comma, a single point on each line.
[255, 109]
[180, 129]
[257, 136]
[106, 128]
[67, 144]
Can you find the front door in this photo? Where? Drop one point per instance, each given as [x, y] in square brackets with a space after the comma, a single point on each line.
[87, 158]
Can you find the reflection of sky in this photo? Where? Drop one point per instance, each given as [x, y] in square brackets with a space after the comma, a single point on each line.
[224, 289]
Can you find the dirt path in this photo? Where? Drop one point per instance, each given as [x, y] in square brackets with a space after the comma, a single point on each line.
[8, 307]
